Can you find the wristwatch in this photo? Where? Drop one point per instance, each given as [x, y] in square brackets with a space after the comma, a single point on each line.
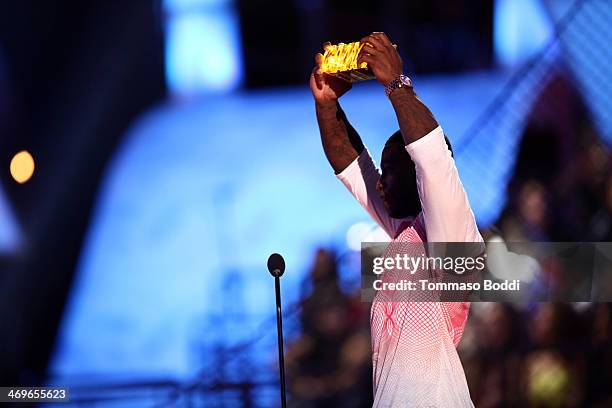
[401, 81]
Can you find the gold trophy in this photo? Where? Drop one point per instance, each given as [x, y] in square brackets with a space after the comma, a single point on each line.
[341, 60]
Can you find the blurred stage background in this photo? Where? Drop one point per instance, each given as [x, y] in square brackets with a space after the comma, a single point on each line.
[176, 147]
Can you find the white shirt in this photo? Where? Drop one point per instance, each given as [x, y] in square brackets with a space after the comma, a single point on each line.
[414, 343]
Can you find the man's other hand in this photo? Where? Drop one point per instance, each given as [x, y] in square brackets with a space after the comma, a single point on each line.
[326, 88]
[382, 57]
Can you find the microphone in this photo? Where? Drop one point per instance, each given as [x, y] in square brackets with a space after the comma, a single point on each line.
[276, 265]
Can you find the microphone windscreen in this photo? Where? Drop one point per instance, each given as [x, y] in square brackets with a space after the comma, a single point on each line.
[276, 265]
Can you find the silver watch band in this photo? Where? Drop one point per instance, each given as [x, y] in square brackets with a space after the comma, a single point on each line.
[402, 81]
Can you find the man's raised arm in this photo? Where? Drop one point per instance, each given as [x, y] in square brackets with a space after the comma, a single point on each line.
[414, 118]
[344, 149]
[446, 210]
[341, 143]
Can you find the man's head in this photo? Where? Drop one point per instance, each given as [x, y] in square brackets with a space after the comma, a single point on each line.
[397, 185]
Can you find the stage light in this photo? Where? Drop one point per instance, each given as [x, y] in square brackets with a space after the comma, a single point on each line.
[10, 235]
[203, 47]
[22, 166]
[357, 234]
[377, 234]
[520, 29]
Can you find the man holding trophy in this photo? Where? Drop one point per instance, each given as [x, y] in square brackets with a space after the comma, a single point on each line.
[417, 198]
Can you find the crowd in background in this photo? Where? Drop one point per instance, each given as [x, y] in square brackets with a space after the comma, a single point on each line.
[539, 355]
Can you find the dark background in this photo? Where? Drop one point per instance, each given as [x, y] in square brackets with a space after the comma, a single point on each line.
[273, 33]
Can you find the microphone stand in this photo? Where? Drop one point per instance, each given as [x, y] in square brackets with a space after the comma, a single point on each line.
[279, 329]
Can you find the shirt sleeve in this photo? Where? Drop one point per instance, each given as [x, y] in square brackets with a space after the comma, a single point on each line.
[446, 210]
[360, 177]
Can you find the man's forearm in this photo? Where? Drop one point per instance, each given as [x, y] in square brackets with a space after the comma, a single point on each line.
[414, 118]
[341, 142]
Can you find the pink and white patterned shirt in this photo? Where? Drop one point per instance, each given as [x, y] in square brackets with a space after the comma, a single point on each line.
[414, 354]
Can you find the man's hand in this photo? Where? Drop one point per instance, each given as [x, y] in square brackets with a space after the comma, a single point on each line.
[326, 88]
[382, 57]
[414, 118]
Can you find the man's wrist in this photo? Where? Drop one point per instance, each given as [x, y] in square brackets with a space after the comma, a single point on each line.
[327, 103]
[399, 82]
[400, 93]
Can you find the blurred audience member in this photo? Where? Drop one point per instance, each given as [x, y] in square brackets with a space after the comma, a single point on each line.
[548, 355]
[554, 365]
[329, 365]
[527, 216]
[599, 380]
[491, 355]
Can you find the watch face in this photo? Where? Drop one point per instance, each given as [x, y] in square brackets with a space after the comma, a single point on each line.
[405, 80]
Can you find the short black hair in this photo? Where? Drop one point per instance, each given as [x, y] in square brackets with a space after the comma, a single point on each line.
[398, 138]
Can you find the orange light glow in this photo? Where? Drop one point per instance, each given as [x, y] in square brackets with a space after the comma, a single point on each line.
[22, 166]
